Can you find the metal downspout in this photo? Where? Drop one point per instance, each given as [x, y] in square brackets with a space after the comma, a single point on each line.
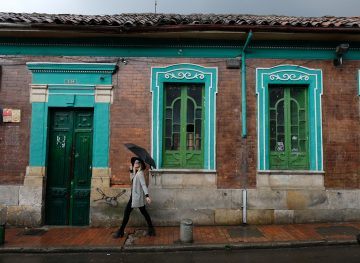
[244, 124]
[243, 85]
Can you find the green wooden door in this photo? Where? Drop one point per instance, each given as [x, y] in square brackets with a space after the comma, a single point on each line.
[69, 167]
[183, 141]
[288, 128]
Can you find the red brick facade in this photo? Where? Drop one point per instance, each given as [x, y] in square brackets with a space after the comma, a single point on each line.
[15, 137]
[236, 157]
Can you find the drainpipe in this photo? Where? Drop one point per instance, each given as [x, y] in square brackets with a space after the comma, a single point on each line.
[244, 206]
[244, 124]
[243, 85]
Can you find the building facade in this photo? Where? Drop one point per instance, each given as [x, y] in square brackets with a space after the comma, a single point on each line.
[250, 119]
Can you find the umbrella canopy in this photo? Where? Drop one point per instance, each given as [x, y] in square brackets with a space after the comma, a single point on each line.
[141, 153]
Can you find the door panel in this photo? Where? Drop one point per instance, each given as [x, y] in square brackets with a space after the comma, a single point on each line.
[69, 167]
[82, 170]
[57, 194]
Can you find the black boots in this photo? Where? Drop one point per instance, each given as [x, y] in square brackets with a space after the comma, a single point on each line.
[119, 233]
[151, 231]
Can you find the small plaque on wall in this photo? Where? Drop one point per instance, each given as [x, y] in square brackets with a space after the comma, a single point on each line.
[16, 116]
[11, 115]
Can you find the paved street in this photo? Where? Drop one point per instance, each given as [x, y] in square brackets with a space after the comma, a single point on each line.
[346, 254]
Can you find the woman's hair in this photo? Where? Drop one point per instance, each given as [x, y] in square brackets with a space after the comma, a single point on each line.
[142, 166]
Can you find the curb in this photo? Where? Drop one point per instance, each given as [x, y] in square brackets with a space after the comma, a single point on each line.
[40, 250]
[180, 247]
[238, 246]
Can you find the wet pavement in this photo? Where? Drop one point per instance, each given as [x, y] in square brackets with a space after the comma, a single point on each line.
[77, 239]
[327, 254]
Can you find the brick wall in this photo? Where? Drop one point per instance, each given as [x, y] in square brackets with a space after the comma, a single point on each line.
[236, 157]
[340, 113]
[14, 137]
[341, 126]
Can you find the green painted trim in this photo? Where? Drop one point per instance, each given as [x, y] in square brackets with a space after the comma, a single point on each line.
[38, 134]
[184, 73]
[243, 96]
[50, 67]
[101, 136]
[178, 50]
[290, 75]
[70, 95]
[72, 73]
[244, 85]
[79, 94]
[168, 42]
[211, 52]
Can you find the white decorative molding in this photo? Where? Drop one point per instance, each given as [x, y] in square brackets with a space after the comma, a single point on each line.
[184, 75]
[104, 94]
[38, 93]
[288, 76]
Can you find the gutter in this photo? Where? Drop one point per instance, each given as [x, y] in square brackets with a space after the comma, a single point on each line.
[243, 119]
[243, 84]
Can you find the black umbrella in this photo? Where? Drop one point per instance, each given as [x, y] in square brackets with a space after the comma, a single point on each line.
[141, 153]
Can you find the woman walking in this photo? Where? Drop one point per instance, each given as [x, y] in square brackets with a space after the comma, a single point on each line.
[139, 192]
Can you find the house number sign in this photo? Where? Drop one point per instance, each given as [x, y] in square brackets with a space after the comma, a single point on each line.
[61, 141]
[70, 81]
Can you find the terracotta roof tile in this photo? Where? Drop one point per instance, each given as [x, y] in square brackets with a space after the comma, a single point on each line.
[158, 20]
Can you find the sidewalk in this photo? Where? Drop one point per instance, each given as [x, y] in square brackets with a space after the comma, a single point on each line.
[78, 239]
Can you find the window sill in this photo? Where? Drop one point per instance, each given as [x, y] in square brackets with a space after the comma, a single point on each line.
[183, 178]
[185, 171]
[290, 179]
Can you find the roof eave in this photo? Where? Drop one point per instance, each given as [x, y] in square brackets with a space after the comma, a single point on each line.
[178, 28]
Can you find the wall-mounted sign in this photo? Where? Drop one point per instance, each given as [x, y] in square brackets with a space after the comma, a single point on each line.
[11, 115]
[70, 81]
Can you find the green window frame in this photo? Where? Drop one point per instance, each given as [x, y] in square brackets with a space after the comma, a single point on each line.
[186, 74]
[290, 75]
[183, 126]
[288, 127]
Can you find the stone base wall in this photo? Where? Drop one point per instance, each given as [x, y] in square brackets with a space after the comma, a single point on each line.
[207, 205]
[22, 205]
[203, 203]
[224, 207]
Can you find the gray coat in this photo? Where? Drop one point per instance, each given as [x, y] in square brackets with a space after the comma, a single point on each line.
[138, 189]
